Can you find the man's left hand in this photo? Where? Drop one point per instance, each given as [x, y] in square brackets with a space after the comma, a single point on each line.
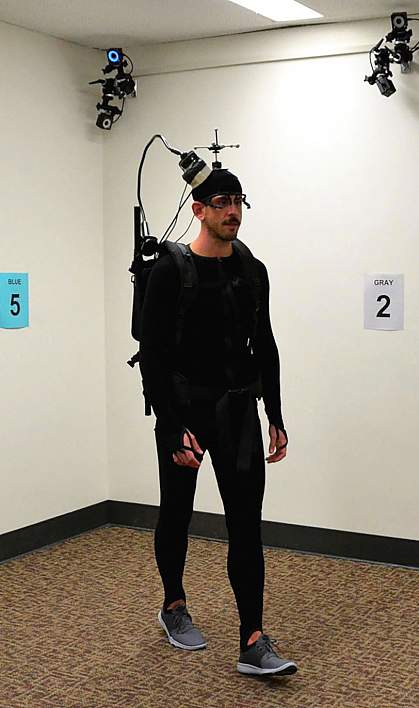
[277, 440]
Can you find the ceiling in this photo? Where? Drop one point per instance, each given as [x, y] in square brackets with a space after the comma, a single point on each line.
[123, 23]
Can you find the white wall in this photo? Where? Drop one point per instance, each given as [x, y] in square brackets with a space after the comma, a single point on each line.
[329, 167]
[52, 375]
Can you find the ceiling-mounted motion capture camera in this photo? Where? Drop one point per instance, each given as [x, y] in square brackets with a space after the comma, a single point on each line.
[119, 87]
[401, 53]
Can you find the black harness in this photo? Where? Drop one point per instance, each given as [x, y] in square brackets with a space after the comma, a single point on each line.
[187, 393]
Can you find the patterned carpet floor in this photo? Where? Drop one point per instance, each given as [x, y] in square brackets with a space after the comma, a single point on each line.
[79, 629]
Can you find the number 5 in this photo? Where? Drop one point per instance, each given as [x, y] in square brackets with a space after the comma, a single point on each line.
[14, 303]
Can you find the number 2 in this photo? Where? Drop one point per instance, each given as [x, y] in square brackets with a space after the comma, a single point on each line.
[382, 313]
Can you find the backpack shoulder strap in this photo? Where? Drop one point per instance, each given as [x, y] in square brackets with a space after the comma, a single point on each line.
[252, 275]
[181, 254]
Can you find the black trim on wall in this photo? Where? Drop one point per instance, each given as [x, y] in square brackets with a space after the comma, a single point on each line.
[342, 544]
[309, 539]
[29, 538]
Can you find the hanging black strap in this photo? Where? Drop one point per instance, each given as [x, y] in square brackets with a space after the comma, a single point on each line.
[223, 400]
[251, 274]
[182, 256]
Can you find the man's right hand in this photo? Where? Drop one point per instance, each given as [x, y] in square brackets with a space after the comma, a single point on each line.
[186, 457]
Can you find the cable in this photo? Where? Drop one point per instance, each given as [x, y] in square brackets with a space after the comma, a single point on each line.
[139, 176]
[132, 65]
[175, 218]
[122, 110]
[172, 224]
[147, 147]
[185, 232]
[172, 149]
[164, 141]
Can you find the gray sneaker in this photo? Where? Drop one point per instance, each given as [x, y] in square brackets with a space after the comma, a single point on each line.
[261, 658]
[179, 629]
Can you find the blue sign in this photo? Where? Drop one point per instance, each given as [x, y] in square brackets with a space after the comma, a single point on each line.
[14, 307]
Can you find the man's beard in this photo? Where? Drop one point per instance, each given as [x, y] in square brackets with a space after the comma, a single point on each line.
[223, 234]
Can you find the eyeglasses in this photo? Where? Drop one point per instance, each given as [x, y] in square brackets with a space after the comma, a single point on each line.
[222, 201]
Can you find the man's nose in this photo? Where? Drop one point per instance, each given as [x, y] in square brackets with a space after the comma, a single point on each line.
[234, 208]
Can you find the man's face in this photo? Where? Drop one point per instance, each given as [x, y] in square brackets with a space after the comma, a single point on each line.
[222, 216]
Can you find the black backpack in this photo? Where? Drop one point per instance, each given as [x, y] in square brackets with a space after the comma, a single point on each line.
[182, 255]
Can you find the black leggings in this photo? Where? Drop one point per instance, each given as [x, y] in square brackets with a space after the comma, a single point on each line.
[242, 499]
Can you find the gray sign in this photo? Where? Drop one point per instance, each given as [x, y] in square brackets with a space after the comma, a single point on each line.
[384, 301]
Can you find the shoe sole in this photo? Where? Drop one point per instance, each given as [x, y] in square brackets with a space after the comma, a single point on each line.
[174, 642]
[285, 670]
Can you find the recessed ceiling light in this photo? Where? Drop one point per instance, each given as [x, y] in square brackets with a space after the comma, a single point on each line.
[279, 10]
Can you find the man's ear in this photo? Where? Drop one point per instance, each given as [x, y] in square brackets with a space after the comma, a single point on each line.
[198, 209]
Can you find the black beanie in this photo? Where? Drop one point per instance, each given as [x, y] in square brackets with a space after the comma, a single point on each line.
[218, 182]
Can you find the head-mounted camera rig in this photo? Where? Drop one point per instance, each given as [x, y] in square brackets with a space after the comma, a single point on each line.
[194, 171]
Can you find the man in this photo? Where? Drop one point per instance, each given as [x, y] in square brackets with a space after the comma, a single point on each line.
[203, 391]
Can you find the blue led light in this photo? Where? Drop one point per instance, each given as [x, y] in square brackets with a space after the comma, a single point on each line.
[114, 57]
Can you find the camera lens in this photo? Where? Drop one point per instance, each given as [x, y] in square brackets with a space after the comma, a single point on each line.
[113, 56]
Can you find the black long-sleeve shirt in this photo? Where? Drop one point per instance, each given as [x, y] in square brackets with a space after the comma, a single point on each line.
[214, 350]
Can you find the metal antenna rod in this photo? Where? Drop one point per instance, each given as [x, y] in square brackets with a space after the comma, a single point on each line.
[215, 148]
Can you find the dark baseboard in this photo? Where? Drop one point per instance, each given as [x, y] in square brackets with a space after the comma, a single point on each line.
[29, 538]
[308, 539]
